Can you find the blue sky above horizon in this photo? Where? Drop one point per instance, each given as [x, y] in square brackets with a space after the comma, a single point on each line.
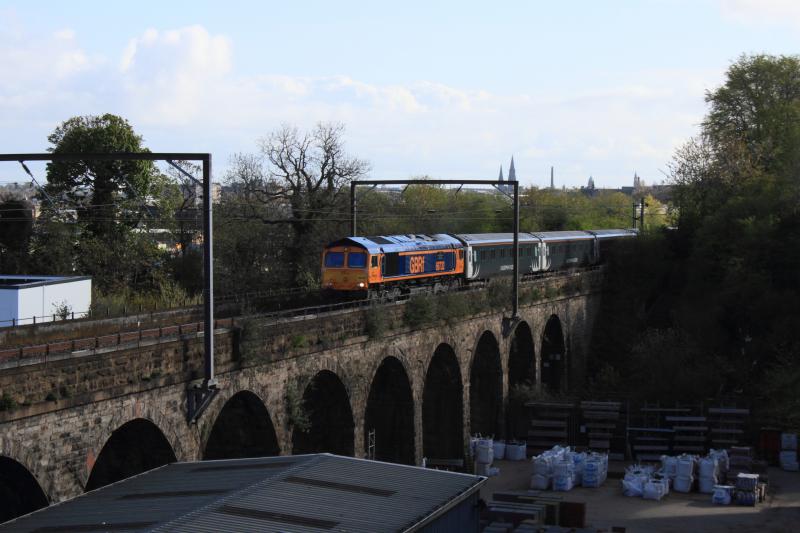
[446, 89]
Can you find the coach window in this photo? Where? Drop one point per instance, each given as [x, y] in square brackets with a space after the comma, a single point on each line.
[356, 260]
[334, 259]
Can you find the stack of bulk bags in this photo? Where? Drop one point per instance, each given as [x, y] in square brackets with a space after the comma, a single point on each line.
[577, 458]
[499, 449]
[655, 489]
[516, 451]
[788, 457]
[484, 455]
[543, 467]
[636, 476]
[723, 463]
[564, 475]
[595, 470]
[669, 466]
[708, 468]
[684, 478]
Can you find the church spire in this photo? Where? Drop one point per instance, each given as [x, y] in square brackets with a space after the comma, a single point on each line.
[512, 173]
[500, 179]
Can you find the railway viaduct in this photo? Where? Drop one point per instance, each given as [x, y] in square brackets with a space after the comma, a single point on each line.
[353, 382]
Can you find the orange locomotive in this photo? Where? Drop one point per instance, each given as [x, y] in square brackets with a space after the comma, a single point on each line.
[382, 265]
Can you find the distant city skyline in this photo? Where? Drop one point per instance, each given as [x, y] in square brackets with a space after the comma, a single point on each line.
[447, 89]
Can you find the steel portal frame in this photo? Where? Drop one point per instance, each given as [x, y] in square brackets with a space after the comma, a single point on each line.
[494, 183]
[199, 395]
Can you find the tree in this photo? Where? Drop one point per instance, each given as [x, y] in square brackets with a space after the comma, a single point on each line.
[103, 212]
[16, 227]
[758, 108]
[108, 195]
[302, 177]
[737, 191]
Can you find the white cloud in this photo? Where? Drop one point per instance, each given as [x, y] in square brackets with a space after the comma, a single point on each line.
[180, 89]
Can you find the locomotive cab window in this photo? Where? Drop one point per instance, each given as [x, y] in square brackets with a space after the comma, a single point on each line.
[356, 260]
[334, 259]
[461, 254]
[374, 261]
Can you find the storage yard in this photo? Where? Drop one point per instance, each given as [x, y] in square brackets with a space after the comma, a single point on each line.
[606, 506]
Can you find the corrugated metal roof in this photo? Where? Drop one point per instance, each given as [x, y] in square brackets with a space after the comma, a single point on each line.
[303, 493]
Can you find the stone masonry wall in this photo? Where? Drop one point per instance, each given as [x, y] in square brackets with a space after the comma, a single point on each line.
[58, 441]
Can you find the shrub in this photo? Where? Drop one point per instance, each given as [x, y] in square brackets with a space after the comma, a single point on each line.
[298, 416]
[419, 310]
[298, 341]
[376, 322]
[7, 402]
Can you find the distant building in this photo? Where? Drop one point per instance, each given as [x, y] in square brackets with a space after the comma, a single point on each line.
[34, 299]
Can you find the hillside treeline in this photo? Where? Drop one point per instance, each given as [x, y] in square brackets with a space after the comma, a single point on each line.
[710, 308]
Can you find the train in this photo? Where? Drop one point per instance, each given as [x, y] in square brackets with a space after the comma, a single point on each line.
[391, 265]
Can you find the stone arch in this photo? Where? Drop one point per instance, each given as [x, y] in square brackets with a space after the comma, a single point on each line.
[486, 387]
[330, 428]
[521, 379]
[20, 492]
[554, 356]
[442, 406]
[390, 413]
[135, 447]
[243, 428]
[172, 425]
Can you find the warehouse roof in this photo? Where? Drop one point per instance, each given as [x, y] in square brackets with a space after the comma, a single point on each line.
[301, 493]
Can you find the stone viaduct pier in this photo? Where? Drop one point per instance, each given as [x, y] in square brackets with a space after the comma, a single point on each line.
[352, 382]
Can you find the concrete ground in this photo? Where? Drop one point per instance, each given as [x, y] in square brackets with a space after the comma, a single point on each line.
[683, 513]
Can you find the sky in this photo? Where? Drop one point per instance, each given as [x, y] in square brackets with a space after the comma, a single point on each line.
[445, 89]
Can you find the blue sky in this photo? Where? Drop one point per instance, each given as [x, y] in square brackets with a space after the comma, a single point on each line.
[447, 89]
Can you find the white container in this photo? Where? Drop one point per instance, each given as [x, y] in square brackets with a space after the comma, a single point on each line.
[669, 465]
[788, 441]
[484, 454]
[708, 467]
[683, 483]
[516, 451]
[654, 490]
[563, 468]
[482, 469]
[499, 448]
[685, 466]
[706, 484]
[563, 483]
[541, 466]
[721, 495]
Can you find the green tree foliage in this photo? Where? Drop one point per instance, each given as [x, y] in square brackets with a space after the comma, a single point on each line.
[108, 195]
[722, 288]
[16, 228]
[104, 216]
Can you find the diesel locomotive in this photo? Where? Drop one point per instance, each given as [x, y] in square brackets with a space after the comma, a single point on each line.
[391, 265]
